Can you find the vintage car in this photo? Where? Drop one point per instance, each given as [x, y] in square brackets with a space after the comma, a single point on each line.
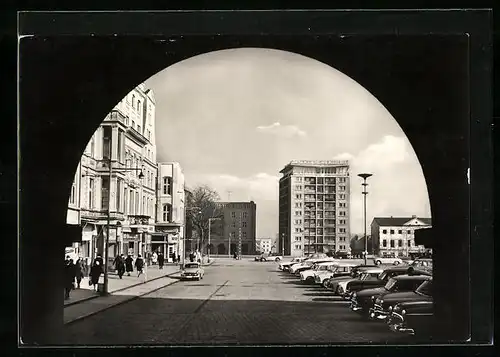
[362, 301]
[382, 278]
[383, 305]
[387, 260]
[369, 274]
[307, 276]
[422, 264]
[192, 270]
[355, 271]
[336, 270]
[414, 318]
[307, 264]
[286, 265]
[268, 258]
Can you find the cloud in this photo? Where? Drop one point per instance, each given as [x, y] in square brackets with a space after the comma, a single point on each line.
[287, 131]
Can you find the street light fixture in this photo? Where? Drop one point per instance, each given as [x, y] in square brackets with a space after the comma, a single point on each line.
[364, 176]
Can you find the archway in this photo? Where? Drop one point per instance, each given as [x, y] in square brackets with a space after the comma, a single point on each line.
[75, 120]
[221, 249]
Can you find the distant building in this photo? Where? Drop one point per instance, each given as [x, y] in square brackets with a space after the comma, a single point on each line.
[395, 236]
[170, 216]
[314, 207]
[238, 224]
[263, 245]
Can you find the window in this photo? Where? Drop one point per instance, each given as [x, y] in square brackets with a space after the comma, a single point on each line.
[342, 196]
[298, 196]
[143, 205]
[233, 214]
[119, 146]
[244, 234]
[410, 231]
[244, 224]
[392, 243]
[342, 188]
[342, 204]
[384, 231]
[234, 225]
[342, 221]
[118, 195]
[133, 101]
[400, 231]
[125, 201]
[400, 243]
[384, 243]
[133, 124]
[392, 231]
[342, 230]
[106, 139]
[409, 242]
[136, 211]
[92, 146]
[166, 213]
[73, 194]
[131, 208]
[167, 187]
[139, 128]
[341, 213]
[105, 192]
[245, 214]
[138, 106]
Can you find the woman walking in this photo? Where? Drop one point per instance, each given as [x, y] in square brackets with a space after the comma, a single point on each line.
[69, 275]
[161, 260]
[95, 273]
[80, 272]
[129, 264]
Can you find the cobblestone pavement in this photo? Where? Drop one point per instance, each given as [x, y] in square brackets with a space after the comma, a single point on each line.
[242, 302]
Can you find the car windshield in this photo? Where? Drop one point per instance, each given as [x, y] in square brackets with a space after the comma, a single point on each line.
[324, 267]
[390, 284]
[191, 266]
[425, 288]
[382, 276]
[364, 276]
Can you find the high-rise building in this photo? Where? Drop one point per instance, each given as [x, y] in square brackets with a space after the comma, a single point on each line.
[314, 207]
[237, 226]
[170, 217]
[126, 138]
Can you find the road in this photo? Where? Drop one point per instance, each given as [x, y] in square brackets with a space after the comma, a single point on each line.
[240, 301]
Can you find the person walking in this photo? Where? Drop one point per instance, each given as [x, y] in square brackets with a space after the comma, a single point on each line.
[139, 264]
[191, 257]
[154, 258]
[120, 265]
[95, 273]
[161, 260]
[69, 276]
[79, 271]
[129, 264]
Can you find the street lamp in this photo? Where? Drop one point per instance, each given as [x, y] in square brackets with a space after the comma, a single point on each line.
[209, 225]
[365, 192]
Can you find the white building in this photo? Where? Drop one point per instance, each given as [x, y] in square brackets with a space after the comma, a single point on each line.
[126, 138]
[395, 236]
[263, 245]
[170, 216]
[314, 207]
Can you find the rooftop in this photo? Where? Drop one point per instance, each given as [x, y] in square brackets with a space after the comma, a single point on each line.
[399, 221]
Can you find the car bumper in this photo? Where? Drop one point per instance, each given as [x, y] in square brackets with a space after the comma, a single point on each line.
[397, 324]
[378, 313]
[189, 277]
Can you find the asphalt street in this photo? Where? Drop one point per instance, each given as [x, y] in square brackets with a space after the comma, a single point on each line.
[241, 302]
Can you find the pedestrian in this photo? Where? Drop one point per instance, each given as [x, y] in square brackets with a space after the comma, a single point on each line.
[235, 255]
[120, 265]
[139, 264]
[148, 257]
[95, 273]
[154, 258]
[129, 264]
[69, 276]
[198, 256]
[161, 260]
[191, 257]
[178, 258]
[79, 271]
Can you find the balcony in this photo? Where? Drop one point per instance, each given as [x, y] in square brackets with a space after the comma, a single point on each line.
[116, 115]
[139, 220]
[101, 215]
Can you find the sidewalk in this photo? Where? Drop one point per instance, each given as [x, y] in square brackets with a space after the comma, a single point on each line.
[93, 304]
[116, 284]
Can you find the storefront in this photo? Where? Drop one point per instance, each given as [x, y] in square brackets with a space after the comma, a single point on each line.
[166, 242]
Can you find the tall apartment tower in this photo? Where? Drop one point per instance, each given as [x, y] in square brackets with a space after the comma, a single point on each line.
[314, 207]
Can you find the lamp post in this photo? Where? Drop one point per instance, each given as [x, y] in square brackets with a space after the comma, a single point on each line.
[364, 176]
[209, 231]
[185, 230]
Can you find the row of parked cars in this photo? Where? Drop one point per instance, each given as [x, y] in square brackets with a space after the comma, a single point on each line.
[399, 294]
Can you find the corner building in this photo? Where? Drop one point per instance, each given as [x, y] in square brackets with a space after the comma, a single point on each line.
[314, 207]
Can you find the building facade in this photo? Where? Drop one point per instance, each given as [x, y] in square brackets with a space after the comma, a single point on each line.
[237, 226]
[170, 216]
[395, 236]
[125, 190]
[314, 207]
[263, 245]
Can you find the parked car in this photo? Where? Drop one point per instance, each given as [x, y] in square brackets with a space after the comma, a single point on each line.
[307, 264]
[382, 306]
[412, 318]
[308, 275]
[342, 255]
[387, 260]
[336, 270]
[369, 274]
[192, 270]
[286, 265]
[269, 258]
[362, 301]
[422, 264]
[355, 271]
[382, 278]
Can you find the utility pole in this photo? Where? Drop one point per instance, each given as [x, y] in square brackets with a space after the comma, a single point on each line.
[283, 244]
[365, 192]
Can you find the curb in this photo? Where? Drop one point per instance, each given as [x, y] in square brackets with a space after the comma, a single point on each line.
[118, 290]
[132, 298]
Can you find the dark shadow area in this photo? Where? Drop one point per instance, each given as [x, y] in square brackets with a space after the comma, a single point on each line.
[195, 321]
[324, 294]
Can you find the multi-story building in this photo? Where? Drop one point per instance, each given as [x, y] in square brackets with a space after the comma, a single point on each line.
[314, 207]
[263, 245]
[170, 217]
[395, 236]
[238, 225]
[126, 140]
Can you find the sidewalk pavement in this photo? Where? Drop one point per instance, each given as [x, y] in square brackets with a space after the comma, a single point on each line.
[115, 284]
[93, 303]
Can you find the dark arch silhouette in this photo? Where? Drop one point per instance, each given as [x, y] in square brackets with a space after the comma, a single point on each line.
[68, 87]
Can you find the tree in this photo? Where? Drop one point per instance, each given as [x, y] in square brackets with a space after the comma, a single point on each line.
[202, 204]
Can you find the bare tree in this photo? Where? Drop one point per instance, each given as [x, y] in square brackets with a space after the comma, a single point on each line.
[202, 204]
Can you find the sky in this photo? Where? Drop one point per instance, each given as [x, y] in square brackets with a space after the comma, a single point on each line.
[234, 118]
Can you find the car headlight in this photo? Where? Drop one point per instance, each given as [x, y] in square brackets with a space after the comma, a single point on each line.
[390, 308]
[354, 295]
[372, 298]
[403, 312]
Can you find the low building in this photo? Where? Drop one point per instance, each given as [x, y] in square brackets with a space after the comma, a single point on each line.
[263, 245]
[395, 236]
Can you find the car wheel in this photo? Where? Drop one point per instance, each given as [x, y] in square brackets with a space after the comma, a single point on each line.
[396, 263]
[277, 259]
[309, 280]
[378, 262]
[324, 283]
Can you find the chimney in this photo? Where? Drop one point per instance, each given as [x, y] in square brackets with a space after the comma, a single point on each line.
[413, 216]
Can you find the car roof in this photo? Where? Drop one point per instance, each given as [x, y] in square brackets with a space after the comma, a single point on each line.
[412, 277]
[372, 270]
